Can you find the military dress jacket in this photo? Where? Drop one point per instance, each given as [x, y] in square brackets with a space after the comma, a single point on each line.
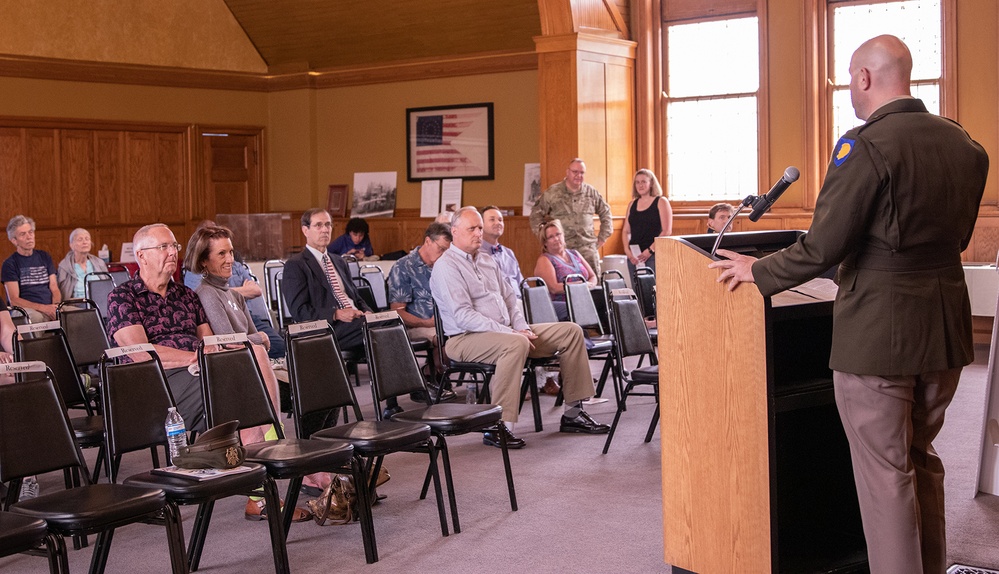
[897, 208]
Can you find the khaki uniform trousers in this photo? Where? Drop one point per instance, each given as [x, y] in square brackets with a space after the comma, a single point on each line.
[509, 352]
[891, 423]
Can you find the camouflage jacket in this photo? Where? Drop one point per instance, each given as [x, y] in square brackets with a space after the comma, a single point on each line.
[575, 211]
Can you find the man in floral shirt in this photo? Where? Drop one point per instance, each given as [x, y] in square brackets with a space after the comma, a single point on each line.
[152, 308]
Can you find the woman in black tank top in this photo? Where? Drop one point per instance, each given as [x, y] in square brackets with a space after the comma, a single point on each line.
[649, 216]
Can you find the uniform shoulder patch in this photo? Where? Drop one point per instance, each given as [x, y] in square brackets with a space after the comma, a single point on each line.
[843, 149]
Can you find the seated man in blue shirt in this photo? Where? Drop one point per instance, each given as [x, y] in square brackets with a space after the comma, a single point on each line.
[484, 323]
[29, 274]
[409, 284]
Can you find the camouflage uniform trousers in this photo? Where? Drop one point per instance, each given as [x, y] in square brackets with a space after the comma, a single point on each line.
[590, 253]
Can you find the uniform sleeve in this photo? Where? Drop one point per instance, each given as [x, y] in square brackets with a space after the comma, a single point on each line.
[843, 211]
[540, 210]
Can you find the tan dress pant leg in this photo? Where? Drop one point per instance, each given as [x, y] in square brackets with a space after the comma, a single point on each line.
[568, 340]
[508, 351]
[891, 423]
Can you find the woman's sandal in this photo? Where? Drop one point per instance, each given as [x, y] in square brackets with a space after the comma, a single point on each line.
[257, 510]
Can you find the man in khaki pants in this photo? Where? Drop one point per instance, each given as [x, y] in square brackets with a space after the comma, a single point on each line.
[482, 318]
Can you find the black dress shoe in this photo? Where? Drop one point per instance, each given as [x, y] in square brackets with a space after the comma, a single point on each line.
[492, 438]
[582, 423]
[389, 412]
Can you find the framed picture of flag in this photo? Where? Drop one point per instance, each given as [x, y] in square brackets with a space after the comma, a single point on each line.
[445, 142]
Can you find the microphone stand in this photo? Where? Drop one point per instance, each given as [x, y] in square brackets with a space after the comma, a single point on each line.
[749, 200]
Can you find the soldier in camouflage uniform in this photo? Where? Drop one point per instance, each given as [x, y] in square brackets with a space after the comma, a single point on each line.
[574, 203]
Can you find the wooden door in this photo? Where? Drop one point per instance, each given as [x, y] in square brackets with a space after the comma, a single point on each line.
[232, 171]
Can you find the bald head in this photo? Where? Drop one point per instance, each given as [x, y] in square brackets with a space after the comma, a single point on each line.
[880, 71]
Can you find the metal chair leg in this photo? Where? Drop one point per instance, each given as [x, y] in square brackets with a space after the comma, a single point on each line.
[198, 534]
[273, 500]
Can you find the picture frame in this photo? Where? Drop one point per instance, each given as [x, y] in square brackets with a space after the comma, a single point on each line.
[445, 142]
[336, 200]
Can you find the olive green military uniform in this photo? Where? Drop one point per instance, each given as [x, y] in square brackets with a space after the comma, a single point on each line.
[576, 211]
[897, 208]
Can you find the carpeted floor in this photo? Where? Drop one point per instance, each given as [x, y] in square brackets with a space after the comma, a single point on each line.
[579, 510]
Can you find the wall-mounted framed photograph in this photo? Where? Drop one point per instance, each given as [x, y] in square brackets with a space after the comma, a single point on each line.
[445, 142]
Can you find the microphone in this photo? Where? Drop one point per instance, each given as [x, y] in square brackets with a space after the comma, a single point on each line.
[763, 202]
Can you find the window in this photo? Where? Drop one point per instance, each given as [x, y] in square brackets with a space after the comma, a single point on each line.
[917, 22]
[712, 134]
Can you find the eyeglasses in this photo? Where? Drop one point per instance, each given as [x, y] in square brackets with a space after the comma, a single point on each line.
[441, 248]
[163, 247]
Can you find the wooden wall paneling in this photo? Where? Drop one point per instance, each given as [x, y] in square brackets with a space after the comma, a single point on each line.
[77, 163]
[620, 107]
[12, 172]
[42, 191]
[592, 120]
[985, 242]
[557, 108]
[171, 177]
[110, 206]
[140, 182]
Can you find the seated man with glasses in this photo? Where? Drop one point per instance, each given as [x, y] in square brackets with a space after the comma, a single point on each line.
[409, 286]
[152, 308]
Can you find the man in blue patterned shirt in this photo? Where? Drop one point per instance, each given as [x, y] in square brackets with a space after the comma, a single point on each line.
[409, 283]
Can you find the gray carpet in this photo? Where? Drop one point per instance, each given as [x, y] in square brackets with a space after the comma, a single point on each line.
[579, 510]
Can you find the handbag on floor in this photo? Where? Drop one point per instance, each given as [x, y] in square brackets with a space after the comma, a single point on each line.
[338, 502]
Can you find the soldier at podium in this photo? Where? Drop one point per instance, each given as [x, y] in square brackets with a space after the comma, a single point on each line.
[897, 208]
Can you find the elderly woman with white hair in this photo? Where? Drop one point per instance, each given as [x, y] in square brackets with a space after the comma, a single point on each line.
[77, 264]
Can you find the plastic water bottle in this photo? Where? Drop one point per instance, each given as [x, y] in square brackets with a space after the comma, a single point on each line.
[176, 432]
[472, 396]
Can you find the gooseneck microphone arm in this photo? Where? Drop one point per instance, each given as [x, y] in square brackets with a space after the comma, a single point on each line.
[761, 203]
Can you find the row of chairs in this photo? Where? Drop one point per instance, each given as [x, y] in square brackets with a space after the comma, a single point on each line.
[135, 396]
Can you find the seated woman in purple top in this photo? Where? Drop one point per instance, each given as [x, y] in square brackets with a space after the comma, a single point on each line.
[556, 262]
[354, 241]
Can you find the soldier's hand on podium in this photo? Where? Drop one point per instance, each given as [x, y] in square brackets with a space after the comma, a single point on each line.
[735, 269]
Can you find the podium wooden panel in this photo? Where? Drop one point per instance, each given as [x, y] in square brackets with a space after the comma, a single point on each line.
[756, 472]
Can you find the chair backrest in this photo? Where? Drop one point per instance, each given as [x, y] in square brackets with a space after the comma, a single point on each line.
[50, 346]
[18, 316]
[98, 286]
[135, 397]
[271, 268]
[283, 311]
[37, 436]
[631, 337]
[376, 278]
[611, 280]
[538, 306]
[645, 289]
[119, 273]
[391, 362]
[318, 376]
[233, 387]
[582, 309]
[365, 292]
[84, 328]
[352, 265]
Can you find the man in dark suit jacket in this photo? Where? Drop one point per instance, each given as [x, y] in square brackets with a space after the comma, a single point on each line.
[309, 279]
[897, 208]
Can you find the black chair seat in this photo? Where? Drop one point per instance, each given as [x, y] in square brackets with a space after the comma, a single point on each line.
[488, 368]
[187, 491]
[646, 374]
[353, 355]
[286, 458]
[451, 418]
[19, 532]
[94, 507]
[376, 436]
[600, 346]
[420, 344]
[88, 430]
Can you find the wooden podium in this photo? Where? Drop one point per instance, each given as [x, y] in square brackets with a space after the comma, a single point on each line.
[756, 473]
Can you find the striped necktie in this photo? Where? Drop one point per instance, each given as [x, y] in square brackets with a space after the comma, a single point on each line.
[334, 279]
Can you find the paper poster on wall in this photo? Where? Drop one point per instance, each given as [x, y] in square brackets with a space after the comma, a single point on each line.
[450, 195]
[532, 186]
[127, 252]
[374, 194]
[430, 198]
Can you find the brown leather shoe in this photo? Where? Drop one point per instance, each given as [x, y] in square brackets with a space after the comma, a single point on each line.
[551, 388]
[257, 510]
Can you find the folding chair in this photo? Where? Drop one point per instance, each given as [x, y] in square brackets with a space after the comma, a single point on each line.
[19, 533]
[583, 312]
[88, 339]
[119, 273]
[644, 280]
[33, 420]
[631, 338]
[352, 265]
[98, 287]
[49, 345]
[135, 398]
[376, 279]
[271, 268]
[283, 312]
[233, 389]
[394, 372]
[538, 308]
[320, 386]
